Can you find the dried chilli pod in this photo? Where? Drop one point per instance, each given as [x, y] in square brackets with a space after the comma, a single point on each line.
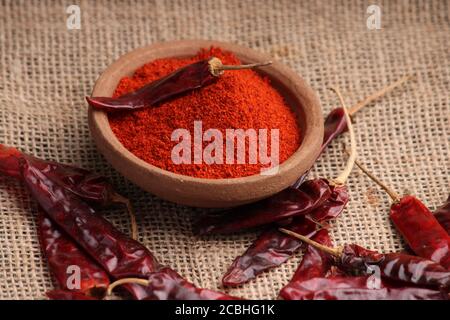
[188, 78]
[313, 285]
[272, 243]
[87, 185]
[442, 214]
[59, 250]
[271, 249]
[412, 270]
[417, 224]
[315, 264]
[115, 252]
[404, 293]
[62, 253]
[90, 186]
[166, 284]
[9, 161]
[316, 282]
[286, 204]
[333, 206]
[336, 124]
[67, 295]
[303, 289]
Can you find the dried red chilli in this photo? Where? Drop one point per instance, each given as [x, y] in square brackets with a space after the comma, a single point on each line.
[62, 253]
[302, 289]
[336, 124]
[166, 284]
[118, 254]
[442, 214]
[88, 185]
[420, 229]
[309, 282]
[85, 184]
[188, 78]
[271, 249]
[59, 250]
[286, 204]
[418, 226]
[315, 264]
[314, 280]
[67, 295]
[408, 269]
[333, 206]
[404, 293]
[9, 161]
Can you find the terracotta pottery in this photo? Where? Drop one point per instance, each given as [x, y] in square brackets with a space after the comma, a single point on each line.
[199, 192]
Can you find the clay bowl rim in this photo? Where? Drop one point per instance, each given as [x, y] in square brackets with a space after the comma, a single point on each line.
[311, 139]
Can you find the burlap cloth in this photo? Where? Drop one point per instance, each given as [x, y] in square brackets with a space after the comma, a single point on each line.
[46, 70]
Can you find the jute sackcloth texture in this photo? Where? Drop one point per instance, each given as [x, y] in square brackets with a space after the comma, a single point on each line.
[46, 70]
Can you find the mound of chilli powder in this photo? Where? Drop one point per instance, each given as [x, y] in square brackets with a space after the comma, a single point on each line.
[240, 99]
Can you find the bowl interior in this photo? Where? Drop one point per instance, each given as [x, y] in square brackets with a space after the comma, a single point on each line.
[289, 97]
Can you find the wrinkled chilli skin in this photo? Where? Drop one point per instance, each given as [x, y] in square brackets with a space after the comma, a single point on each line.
[301, 289]
[118, 254]
[395, 266]
[333, 206]
[62, 253]
[375, 294]
[315, 264]
[166, 284]
[88, 185]
[272, 248]
[9, 161]
[188, 78]
[442, 214]
[420, 229]
[286, 204]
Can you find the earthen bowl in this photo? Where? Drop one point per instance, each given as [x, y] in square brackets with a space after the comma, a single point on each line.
[199, 192]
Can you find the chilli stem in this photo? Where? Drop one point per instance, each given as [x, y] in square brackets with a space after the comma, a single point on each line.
[332, 251]
[123, 281]
[378, 94]
[394, 195]
[217, 68]
[342, 178]
[245, 66]
[121, 199]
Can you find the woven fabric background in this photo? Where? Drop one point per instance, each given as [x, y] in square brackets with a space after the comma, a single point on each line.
[46, 70]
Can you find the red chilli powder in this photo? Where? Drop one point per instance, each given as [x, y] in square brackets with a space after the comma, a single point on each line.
[237, 100]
